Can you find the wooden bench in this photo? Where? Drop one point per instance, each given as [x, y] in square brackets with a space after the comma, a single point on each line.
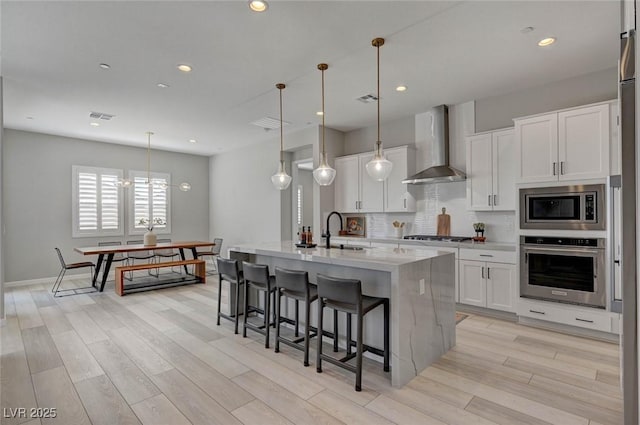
[199, 276]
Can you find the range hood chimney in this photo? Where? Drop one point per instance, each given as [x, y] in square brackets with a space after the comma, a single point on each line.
[441, 171]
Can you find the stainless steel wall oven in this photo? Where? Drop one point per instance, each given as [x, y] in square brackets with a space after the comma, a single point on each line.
[569, 270]
[579, 207]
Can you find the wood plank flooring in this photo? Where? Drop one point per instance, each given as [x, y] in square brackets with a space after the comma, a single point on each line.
[159, 358]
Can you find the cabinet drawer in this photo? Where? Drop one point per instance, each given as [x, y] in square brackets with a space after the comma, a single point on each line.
[508, 257]
[567, 315]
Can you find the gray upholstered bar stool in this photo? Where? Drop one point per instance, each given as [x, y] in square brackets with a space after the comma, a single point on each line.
[346, 295]
[228, 270]
[257, 276]
[295, 284]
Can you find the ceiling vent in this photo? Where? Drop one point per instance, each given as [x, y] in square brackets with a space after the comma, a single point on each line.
[367, 98]
[100, 116]
[269, 123]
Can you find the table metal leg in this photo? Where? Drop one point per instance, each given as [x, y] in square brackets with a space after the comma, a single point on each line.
[105, 273]
[95, 275]
[181, 250]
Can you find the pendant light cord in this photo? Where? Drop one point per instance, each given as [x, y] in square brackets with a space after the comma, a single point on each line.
[281, 142]
[322, 70]
[378, 101]
[149, 133]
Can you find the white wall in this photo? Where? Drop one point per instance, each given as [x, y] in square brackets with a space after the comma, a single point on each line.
[1, 215]
[305, 179]
[498, 112]
[37, 190]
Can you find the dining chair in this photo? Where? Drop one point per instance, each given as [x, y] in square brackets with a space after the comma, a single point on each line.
[118, 256]
[139, 255]
[169, 253]
[211, 252]
[73, 266]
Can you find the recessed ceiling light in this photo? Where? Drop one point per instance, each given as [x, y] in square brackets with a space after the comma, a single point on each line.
[401, 88]
[184, 67]
[546, 41]
[163, 85]
[320, 113]
[526, 30]
[258, 5]
[193, 141]
[94, 124]
[105, 66]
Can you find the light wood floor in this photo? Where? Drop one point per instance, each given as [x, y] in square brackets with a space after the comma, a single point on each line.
[158, 358]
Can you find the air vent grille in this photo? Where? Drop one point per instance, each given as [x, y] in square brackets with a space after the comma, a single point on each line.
[270, 123]
[367, 98]
[100, 116]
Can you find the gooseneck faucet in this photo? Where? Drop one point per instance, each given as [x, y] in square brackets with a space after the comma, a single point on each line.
[328, 234]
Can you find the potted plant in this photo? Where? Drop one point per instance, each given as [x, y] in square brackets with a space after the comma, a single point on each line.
[150, 238]
[479, 228]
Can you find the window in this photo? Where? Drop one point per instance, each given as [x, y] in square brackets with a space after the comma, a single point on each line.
[149, 203]
[97, 203]
[299, 204]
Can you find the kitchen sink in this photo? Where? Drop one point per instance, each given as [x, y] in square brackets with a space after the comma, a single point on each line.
[348, 247]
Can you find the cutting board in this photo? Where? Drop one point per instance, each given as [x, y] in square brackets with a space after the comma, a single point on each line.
[444, 223]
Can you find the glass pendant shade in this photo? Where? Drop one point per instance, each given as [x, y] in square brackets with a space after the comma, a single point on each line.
[281, 180]
[379, 168]
[124, 183]
[324, 174]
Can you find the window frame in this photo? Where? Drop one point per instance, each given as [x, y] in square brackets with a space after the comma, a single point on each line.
[132, 230]
[76, 232]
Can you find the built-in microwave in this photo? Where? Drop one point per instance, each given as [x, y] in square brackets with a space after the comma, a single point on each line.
[579, 207]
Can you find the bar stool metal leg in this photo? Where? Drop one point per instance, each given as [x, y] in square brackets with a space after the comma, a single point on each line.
[319, 336]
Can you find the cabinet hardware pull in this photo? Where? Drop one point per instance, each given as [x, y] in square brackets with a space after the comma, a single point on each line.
[554, 168]
[583, 320]
[537, 312]
[561, 167]
[488, 272]
[489, 199]
[616, 262]
[405, 203]
[483, 272]
[486, 255]
[494, 200]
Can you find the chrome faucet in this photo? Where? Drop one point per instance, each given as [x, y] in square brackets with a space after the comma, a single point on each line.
[328, 234]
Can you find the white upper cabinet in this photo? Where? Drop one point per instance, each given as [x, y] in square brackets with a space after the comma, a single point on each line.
[396, 195]
[491, 171]
[355, 191]
[567, 145]
[346, 184]
[371, 198]
[583, 143]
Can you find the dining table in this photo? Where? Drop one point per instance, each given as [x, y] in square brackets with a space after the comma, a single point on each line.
[110, 251]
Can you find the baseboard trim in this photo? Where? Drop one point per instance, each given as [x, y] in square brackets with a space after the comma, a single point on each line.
[50, 280]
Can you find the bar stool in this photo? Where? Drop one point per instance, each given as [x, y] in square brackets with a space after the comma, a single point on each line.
[346, 295]
[295, 284]
[228, 270]
[257, 276]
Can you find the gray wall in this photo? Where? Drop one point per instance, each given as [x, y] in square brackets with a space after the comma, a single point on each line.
[393, 133]
[245, 207]
[498, 112]
[37, 196]
[1, 215]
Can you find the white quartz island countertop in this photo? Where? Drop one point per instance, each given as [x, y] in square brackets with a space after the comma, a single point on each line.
[418, 282]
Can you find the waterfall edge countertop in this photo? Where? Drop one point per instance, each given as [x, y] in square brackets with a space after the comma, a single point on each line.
[420, 284]
[372, 258]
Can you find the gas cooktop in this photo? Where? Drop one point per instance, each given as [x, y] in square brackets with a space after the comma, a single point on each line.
[438, 238]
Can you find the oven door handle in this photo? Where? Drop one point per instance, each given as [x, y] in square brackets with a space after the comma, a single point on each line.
[567, 251]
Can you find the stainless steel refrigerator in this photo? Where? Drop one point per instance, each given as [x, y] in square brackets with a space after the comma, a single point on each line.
[629, 237]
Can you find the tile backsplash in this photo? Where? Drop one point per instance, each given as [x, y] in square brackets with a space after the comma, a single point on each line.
[499, 225]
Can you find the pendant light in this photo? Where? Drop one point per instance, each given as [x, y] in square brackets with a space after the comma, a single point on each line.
[324, 174]
[127, 183]
[379, 167]
[281, 179]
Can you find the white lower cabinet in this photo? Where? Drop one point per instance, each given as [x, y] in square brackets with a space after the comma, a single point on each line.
[487, 283]
[567, 314]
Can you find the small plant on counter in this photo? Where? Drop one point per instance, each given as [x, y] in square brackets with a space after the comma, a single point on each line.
[479, 228]
[398, 224]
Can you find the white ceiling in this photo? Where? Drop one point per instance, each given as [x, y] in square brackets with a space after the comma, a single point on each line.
[445, 52]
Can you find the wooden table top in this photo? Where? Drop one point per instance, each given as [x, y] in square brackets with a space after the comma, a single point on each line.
[112, 249]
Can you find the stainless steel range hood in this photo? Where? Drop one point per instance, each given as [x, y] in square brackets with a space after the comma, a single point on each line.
[441, 171]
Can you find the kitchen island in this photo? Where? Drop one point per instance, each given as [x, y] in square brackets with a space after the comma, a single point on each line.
[418, 282]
